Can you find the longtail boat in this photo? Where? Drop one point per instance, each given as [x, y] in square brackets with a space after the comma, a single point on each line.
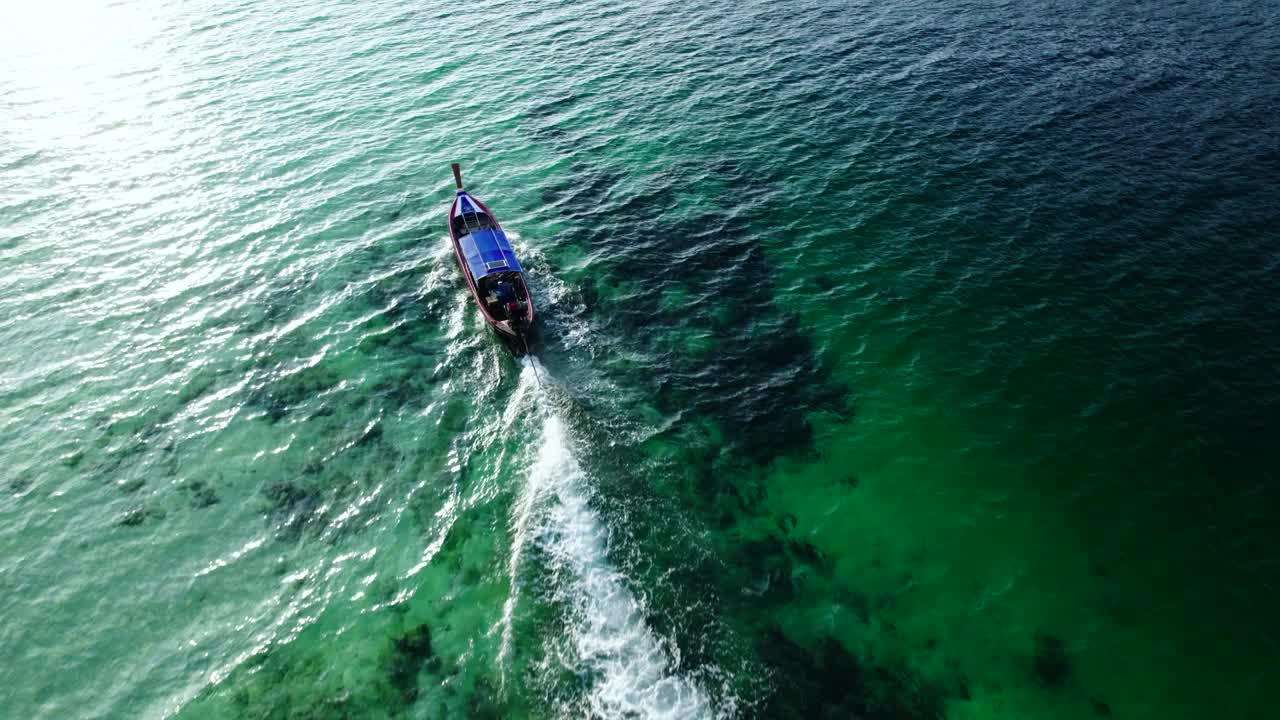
[490, 267]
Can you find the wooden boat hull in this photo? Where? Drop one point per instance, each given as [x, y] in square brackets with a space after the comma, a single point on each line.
[477, 236]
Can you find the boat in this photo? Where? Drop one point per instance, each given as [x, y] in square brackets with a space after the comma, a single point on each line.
[490, 267]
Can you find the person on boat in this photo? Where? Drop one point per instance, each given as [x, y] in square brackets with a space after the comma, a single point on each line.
[505, 293]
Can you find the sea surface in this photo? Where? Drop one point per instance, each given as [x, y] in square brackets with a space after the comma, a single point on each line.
[897, 360]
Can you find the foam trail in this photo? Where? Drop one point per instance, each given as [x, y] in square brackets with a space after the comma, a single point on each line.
[523, 516]
[630, 666]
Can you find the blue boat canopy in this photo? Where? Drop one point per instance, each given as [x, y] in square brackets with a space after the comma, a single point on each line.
[488, 252]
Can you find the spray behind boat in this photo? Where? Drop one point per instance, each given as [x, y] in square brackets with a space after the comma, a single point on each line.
[490, 267]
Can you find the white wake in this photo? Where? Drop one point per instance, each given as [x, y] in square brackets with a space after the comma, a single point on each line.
[630, 669]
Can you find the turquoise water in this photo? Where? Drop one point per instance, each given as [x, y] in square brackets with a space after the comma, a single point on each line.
[896, 361]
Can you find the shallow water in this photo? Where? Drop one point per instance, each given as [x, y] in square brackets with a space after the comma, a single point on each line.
[901, 362]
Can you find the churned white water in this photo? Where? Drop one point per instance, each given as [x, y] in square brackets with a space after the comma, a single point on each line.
[632, 671]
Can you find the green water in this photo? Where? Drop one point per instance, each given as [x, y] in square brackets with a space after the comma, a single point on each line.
[902, 361]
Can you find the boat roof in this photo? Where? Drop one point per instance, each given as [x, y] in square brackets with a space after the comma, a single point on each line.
[488, 252]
